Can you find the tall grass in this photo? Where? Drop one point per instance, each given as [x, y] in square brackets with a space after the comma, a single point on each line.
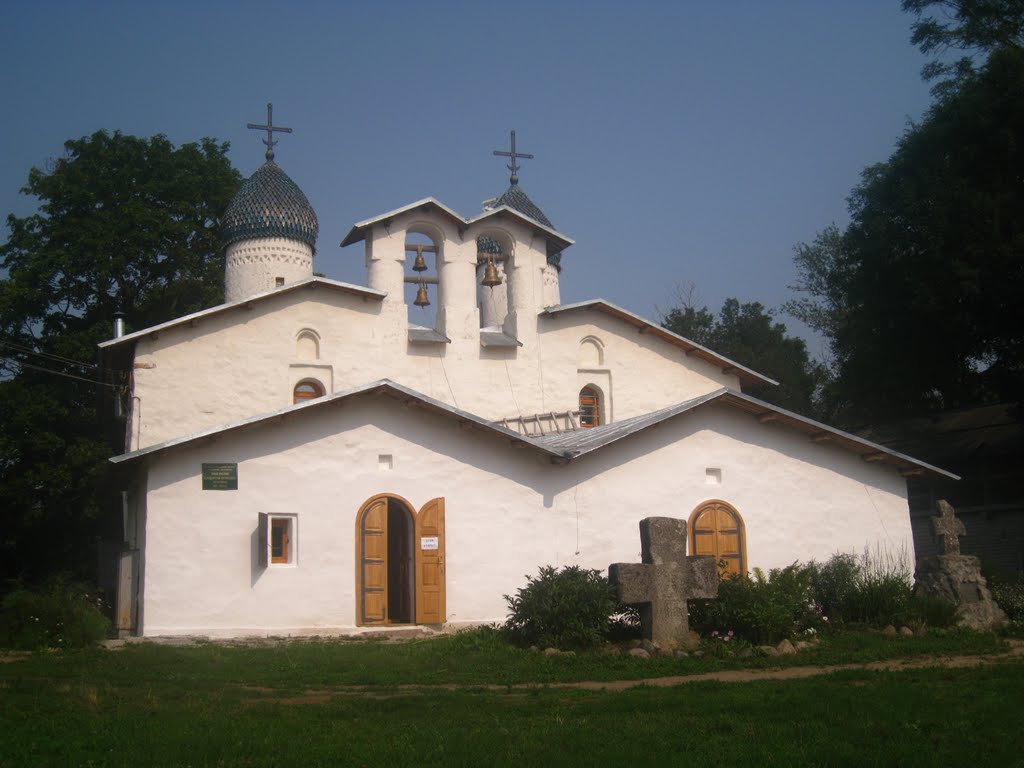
[872, 589]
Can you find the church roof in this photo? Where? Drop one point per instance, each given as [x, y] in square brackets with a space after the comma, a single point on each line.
[578, 443]
[310, 283]
[270, 204]
[693, 349]
[563, 448]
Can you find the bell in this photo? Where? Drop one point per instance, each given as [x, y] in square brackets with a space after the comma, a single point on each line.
[420, 265]
[491, 276]
[421, 296]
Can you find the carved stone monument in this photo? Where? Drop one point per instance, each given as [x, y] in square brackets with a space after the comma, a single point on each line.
[664, 581]
[957, 578]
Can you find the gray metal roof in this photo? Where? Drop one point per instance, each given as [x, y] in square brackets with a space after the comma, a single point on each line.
[573, 445]
[382, 386]
[565, 447]
[270, 204]
[746, 375]
[310, 283]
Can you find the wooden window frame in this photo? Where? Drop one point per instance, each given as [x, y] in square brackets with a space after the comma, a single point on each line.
[313, 384]
[593, 395]
[268, 524]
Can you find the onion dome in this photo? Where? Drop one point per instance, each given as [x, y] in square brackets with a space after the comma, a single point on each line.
[270, 204]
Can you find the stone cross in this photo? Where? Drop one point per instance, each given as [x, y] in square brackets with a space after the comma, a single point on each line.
[664, 581]
[948, 528]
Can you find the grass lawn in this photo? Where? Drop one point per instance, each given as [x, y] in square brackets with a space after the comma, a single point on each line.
[339, 703]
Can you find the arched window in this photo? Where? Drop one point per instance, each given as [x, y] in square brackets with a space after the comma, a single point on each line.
[716, 529]
[590, 407]
[307, 389]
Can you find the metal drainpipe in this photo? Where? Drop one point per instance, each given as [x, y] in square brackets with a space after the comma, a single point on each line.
[119, 395]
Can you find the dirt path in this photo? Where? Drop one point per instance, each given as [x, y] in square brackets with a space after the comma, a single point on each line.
[1016, 653]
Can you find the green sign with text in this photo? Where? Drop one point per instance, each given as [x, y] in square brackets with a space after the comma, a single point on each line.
[220, 477]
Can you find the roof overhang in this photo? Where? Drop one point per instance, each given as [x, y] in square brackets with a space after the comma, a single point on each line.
[554, 237]
[427, 204]
[309, 284]
[573, 445]
[383, 387]
[747, 376]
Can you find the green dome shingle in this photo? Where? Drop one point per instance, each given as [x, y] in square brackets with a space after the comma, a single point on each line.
[515, 198]
[270, 204]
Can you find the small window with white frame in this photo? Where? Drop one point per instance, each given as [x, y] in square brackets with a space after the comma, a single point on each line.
[278, 535]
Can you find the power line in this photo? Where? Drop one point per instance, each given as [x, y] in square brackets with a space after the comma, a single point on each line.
[47, 355]
[23, 364]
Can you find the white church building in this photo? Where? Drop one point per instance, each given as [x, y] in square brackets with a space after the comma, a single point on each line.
[304, 460]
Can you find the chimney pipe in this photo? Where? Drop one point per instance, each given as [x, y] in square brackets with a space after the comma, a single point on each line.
[118, 324]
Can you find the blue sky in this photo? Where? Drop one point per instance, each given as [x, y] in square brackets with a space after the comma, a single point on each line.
[676, 142]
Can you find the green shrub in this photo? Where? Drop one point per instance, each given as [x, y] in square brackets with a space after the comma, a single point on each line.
[569, 608]
[760, 609]
[1010, 597]
[59, 614]
[833, 585]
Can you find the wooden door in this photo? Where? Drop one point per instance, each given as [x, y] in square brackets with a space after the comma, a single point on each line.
[430, 591]
[716, 529]
[372, 576]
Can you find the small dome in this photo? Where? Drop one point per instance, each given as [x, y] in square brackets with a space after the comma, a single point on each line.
[270, 204]
[516, 199]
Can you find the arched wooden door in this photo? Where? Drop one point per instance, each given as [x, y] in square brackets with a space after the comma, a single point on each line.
[716, 528]
[389, 538]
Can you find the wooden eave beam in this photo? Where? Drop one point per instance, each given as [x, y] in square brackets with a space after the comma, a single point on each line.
[767, 417]
[820, 437]
[913, 472]
[873, 457]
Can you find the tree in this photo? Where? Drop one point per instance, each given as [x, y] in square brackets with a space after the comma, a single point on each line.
[978, 27]
[124, 224]
[749, 334]
[919, 297]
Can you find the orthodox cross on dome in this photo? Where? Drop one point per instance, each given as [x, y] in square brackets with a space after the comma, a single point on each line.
[513, 166]
[270, 128]
[947, 528]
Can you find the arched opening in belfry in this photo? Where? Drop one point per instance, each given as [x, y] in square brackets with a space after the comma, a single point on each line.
[422, 286]
[493, 252]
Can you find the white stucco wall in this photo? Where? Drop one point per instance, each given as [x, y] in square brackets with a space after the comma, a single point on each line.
[253, 266]
[246, 361]
[507, 510]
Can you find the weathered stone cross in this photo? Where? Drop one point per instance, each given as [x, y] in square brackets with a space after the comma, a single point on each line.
[948, 528]
[665, 580]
